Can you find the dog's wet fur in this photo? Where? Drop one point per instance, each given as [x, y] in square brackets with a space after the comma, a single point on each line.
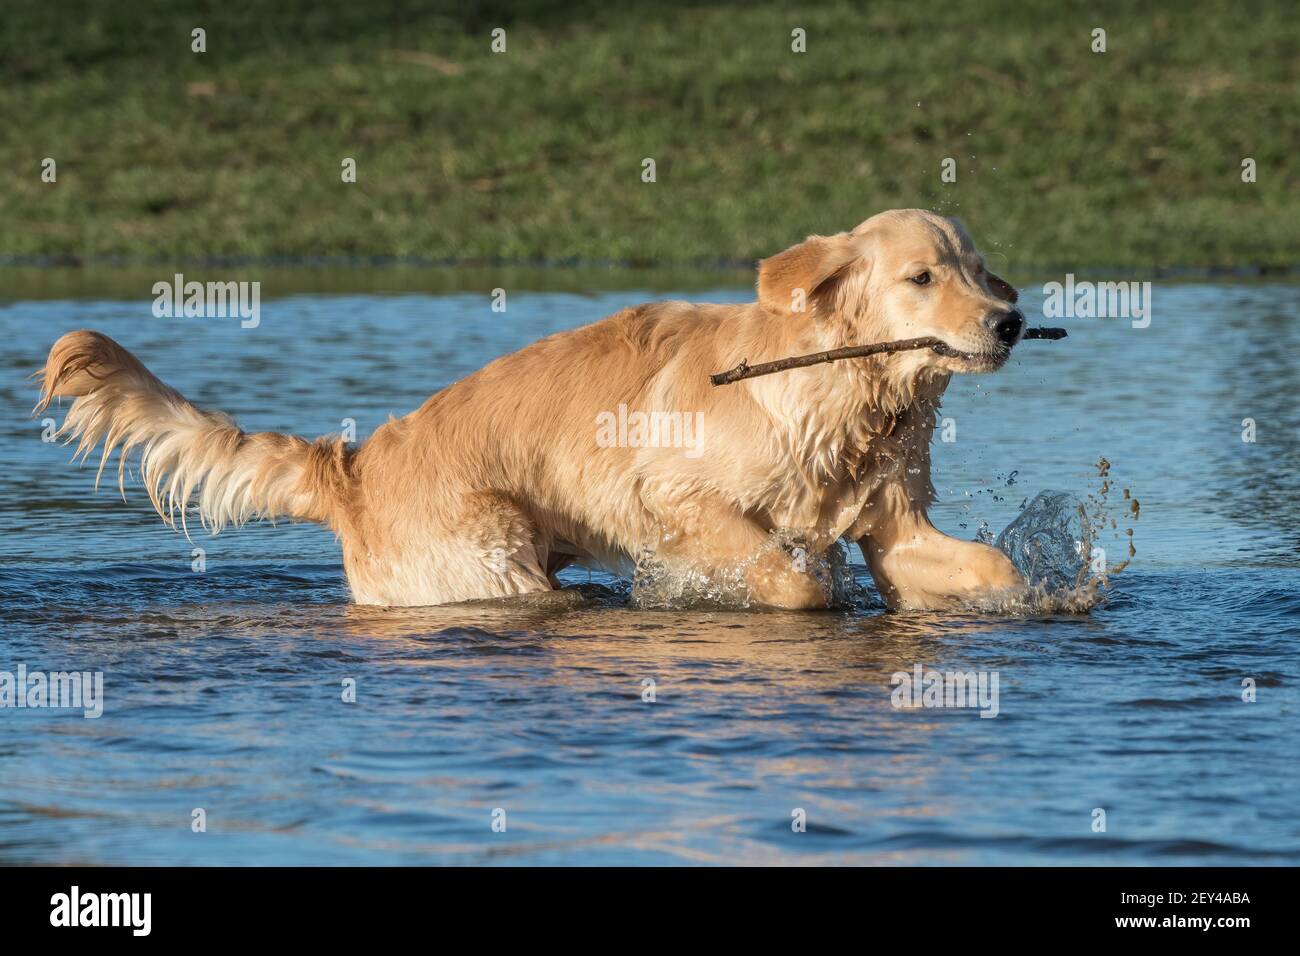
[499, 480]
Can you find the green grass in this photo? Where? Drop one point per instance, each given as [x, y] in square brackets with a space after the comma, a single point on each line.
[1065, 157]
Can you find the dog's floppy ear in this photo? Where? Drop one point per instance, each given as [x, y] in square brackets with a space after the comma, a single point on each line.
[789, 281]
[1001, 288]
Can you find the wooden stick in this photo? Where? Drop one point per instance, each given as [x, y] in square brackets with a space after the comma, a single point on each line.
[745, 370]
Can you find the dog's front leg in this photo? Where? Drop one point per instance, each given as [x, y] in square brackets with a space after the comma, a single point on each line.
[716, 540]
[917, 567]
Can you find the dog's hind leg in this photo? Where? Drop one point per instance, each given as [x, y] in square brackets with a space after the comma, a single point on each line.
[555, 563]
[488, 549]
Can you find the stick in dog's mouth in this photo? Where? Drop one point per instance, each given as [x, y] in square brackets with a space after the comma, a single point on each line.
[946, 350]
[940, 347]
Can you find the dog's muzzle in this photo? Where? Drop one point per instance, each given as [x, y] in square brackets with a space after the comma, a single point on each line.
[1005, 326]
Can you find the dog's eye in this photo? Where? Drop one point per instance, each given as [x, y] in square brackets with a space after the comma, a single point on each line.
[920, 279]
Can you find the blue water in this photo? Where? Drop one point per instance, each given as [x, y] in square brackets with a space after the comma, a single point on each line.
[223, 688]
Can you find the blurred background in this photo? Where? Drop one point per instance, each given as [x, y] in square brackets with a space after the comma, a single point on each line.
[1064, 156]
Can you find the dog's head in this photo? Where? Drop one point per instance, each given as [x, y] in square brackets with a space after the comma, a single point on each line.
[902, 274]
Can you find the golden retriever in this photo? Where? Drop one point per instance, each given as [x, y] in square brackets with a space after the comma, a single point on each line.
[545, 456]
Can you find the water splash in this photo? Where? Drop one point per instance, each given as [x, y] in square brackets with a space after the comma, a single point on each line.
[1056, 543]
[1053, 543]
[661, 584]
[1050, 542]
[1101, 515]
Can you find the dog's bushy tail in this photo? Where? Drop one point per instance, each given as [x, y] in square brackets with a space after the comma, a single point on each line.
[186, 450]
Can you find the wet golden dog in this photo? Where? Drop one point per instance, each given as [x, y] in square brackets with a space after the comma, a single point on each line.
[555, 453]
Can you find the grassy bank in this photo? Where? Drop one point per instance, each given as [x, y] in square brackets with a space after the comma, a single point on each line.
[1064, 156]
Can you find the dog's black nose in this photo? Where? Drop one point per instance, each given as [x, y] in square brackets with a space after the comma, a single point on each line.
[1006, 325]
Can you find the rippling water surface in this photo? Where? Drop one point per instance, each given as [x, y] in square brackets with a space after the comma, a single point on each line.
[223, 688]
